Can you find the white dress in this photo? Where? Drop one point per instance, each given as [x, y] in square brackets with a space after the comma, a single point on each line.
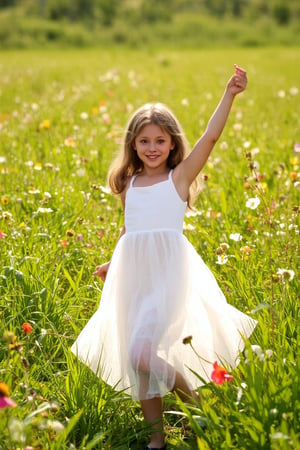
[159, 291]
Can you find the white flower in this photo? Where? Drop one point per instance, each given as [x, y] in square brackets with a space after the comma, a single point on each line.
[2, 159]
[257, 350]
[235, 237]
[55, 425]
[189, 227]
[294, 90]
[81, 172]
[222, 259]
[252, 203]
[223, 145]
[185, 102]
[84, 116]
[285, 274]
[269, 353]
[16, 429]
[44, 210]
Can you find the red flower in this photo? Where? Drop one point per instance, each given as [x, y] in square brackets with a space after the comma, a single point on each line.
[219, 374]
[27, 328]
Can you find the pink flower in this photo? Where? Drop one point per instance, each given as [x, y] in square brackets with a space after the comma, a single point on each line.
[2, 235]
[219, 374]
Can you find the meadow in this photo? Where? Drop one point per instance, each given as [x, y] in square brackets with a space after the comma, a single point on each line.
[62, 116]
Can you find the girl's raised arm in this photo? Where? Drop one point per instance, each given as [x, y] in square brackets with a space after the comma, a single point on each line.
[192, 165]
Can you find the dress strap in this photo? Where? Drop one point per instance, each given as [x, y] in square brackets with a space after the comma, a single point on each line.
[170, 174]
[132, 180]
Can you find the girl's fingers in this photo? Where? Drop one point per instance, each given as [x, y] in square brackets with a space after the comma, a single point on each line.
[239, 70]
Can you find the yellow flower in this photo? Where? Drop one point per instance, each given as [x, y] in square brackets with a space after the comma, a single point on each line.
[45, 124]
[4, 200]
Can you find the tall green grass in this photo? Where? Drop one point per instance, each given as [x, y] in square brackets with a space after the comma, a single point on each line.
[62, 115]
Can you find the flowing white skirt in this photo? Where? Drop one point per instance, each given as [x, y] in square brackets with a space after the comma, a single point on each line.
[157, 292]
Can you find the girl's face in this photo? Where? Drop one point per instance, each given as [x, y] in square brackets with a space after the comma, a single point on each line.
[153, 145]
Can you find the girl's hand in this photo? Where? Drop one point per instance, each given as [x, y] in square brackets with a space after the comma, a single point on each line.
[101, 271]
[238, 82]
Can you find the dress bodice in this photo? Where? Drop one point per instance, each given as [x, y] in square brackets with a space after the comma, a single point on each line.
[154, 207]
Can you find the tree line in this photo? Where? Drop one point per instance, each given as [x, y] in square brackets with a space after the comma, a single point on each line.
[105, 12]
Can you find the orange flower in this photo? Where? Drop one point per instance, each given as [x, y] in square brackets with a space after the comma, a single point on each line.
[64, 242]
[4, 396]
[27, 328]
[219, 374]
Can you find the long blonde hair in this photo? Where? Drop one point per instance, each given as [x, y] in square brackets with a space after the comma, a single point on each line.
[127, 163]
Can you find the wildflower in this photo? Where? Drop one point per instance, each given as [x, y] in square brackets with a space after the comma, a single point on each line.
[106, 118]
[55, 425]
[7, 215]
[252, 203]
[297, 185]
[70, 142]
[27, 328]
[4, 200]
[187, 340]
[296, 148]
[269, 353]
[294, 90]
[9, 337]
[2, 235]
[293, 175]
[222, 259]
[235, 237]
[37, 166]
[285, 274]
[45, 124]
[256, 349]
[223, 145]
[219, 374]
[237, 126]
[44, 210]
[84, 116]
[246, 249]
[294, 161]
[70, 233]
[5, 400]
[64, 242]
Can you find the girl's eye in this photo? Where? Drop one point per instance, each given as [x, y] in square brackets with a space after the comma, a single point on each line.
[161, 141]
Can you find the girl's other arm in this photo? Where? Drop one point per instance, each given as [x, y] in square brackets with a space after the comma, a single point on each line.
[193, 164]
[101, 271]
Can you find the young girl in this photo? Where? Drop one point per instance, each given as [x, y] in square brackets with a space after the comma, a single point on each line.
[157, 289]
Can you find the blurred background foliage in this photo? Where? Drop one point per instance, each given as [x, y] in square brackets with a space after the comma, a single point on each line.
[192, 23]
